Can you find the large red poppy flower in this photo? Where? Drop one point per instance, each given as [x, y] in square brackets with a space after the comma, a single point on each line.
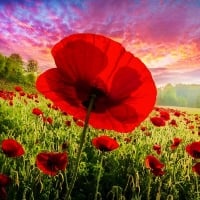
[12, 148]
[154, 165]
[196, 168]
[105, 143]
[89, 64]
[51, 162]
[193, 149]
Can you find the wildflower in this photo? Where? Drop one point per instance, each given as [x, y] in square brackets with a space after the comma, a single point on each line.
[68, 123]
[4, 181]
[18, 88]
[157, 121]
[173, 122]
[177, 113]
[154, 165]
[37, 111]
[105, 143]
[48, 120]
[157, 148]
[93, 65]
[193, 149]
[165, 115]
[79, 123]
[22, 93]
[196, 168]
[176, 142]
[12, 148]
[143, 128]
[51, 162]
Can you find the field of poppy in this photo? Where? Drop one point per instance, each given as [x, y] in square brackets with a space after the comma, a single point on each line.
[95, 133]
[157, 160]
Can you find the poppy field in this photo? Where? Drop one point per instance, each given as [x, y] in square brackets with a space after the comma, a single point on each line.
[157, 160]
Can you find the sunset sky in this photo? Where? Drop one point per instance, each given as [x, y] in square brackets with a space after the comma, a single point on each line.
[164, 34]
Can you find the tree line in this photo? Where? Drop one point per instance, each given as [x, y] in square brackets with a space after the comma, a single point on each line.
[184, 95]
[14, 69]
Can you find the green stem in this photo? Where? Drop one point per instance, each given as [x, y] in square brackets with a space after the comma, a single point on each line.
[99, 175]
[82, 141]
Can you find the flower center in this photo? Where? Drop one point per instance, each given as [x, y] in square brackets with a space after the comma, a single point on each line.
[95, 92]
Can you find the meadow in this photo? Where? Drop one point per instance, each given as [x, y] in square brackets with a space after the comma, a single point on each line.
[125, 172]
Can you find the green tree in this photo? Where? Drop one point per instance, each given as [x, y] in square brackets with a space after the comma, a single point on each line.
[14, 68]
[169, 96]
[32, 66]
[2, 65]
[198, 101]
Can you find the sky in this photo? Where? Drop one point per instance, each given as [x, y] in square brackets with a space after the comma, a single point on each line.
[164, 34]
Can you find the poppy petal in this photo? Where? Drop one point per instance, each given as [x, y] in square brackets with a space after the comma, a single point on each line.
[4, 180]
[51, 162]
[77, 53]
[196, 168]
[105, 143]
[12, 148]
[193, 149]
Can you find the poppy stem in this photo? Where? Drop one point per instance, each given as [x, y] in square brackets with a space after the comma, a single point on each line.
[99, 175]
[82, 141]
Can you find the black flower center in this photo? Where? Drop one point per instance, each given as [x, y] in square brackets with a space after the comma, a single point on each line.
[95, 92]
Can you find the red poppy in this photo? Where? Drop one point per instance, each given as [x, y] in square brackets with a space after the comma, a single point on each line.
[193, 149]
[158, 121]
[143, 128]
[18, 88]
[176, 142]
[89, 64]
[177, 113]
[196, 168]
[154, 165]
[37, 111]
[12, 148]
[173, 122]
[48, 120]
[165, 115]
[22, 93]
[3, 193]
[4, 180]
[51, 162]
[157, 148]
[79, 123]
[105, 143]
[68, 122]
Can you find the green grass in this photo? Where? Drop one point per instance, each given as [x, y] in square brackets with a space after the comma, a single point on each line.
[124, 175]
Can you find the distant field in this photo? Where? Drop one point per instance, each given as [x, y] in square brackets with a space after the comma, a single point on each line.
[5, 85]
[187, 109]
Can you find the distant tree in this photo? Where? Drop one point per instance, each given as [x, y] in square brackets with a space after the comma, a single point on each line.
[30, 79]
[198, 101]
[14, 67]
[2, 65]
[169, 96]
[32, 66]
[179, 95]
